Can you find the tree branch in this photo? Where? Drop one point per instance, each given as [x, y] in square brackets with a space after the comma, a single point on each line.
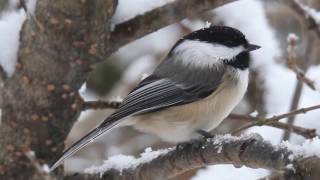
[250, 151]
[87, 105]
[302, 10]
[158, 18]
[265, 121]
[292, 60]
[301, 76]
[305, 132]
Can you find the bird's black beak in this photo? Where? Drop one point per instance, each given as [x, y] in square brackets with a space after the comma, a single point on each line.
[252, 47]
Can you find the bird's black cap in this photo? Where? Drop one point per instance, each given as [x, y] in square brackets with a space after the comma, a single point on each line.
[224, 35]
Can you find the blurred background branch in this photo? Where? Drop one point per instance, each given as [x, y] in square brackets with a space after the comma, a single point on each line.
[276, 118]
[305, 132]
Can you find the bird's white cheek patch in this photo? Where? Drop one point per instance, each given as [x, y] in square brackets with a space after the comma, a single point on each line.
[202, 54]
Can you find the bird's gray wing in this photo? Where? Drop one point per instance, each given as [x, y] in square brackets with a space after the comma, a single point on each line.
[152, 94]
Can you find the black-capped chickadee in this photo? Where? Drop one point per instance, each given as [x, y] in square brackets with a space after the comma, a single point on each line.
[203, 77]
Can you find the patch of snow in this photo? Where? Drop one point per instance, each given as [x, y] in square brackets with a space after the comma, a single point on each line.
[143, 76]
[86, 94]
[290, 167]
[208, 24]
[310, 147]
[31, 153]
[254, 113]
[82, 89]
[116, 99]
[142, 65]
[219, 140]
[128, 9]
[122, 162]
[194, 24]
[152, 44]
[228, 172]
[10, 26]
[46, 168]
[31, 5]
[219, 149]
[311, 12]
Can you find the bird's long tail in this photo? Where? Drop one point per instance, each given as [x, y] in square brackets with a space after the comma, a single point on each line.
[107, 125]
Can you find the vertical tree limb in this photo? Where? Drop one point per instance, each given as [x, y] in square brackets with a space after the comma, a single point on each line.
[306, 62]
[39, 101]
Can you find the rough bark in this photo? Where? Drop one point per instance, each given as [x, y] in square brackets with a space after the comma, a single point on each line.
[39, 103]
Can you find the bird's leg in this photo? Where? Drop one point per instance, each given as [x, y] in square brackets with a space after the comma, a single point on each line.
[195, 142]
[205, 134]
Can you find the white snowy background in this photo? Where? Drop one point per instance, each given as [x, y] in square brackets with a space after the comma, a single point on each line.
[141, 56]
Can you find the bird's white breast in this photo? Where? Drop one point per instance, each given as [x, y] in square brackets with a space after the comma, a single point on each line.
[179, 123]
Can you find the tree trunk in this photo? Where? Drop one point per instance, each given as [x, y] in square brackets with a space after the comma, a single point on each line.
[57, 48]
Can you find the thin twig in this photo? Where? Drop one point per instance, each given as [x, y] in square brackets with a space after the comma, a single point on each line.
[302, 77]
[100, 105]
[291, 60]
[266, 121]
[300, 74]
[305, 132]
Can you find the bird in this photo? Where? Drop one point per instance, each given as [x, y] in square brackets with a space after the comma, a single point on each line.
[200, 81]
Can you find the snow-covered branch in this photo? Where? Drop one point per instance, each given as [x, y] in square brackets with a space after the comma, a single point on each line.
[158, 18]
[311, 16]
[247, 150]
